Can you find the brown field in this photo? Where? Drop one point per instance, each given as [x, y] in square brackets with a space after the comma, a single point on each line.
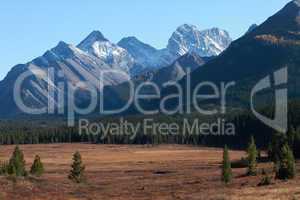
[167, 172]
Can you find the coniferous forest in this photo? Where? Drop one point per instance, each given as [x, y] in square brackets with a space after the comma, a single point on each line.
[246, 125]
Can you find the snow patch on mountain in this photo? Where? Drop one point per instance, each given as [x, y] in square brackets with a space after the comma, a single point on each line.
[110, 53]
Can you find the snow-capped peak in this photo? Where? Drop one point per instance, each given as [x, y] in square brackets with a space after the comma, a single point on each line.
[112, 54]
[188, 38]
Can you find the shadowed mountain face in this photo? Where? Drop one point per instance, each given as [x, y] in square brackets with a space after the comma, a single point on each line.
[286, 20]
[271, 46]
[176, 71]
[172, 73]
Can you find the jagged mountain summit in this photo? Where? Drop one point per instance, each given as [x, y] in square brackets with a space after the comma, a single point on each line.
[186, 39]
[91, 39]
[112, 54]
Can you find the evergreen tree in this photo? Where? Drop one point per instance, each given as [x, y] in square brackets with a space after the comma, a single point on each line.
[77, 171]
[252, 158]
[37, 167]
[226, 168]
[17, 163]
[286, 166]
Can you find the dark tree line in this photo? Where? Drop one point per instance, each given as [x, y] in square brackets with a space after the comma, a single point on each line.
[246, 125]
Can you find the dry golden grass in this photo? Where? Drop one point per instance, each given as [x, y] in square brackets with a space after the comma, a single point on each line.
[138, 172]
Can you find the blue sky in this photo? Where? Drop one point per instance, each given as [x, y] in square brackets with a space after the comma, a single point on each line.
[29, 28]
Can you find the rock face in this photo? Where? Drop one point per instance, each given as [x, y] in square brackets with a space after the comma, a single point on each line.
[115, 56]
[187, 38]
[147, 57]
[176, 71]
[141, 52]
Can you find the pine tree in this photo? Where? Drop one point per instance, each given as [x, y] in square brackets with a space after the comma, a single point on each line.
[286, 167]
[17, 163]
[226, 168]
[37, 167]
[252, 158]
[77, 171]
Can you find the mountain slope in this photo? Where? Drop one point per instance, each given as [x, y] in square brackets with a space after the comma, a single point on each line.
[71, 67]
[141, 52]
[271, 46]
[176, 71]
[146, 56]
[172, 73]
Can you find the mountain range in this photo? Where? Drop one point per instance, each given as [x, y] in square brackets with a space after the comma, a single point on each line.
[80, 66]
[186, 39]
[209, 55]
[264, 49]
